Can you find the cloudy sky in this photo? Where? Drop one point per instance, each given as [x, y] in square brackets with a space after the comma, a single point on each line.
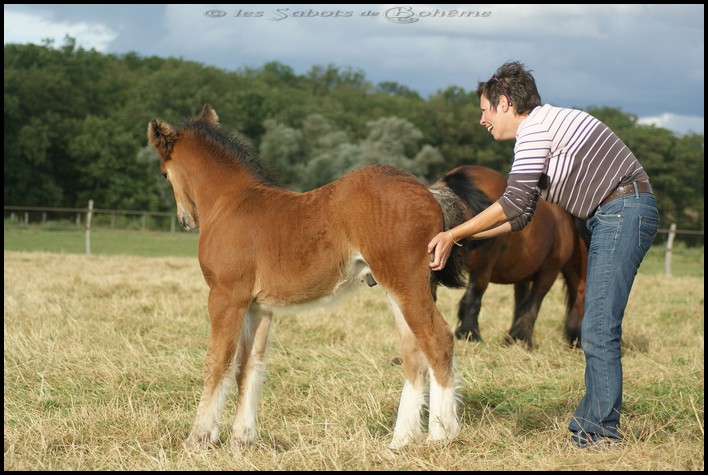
[646, 60]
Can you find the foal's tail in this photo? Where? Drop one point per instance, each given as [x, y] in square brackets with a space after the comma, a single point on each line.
[455, 212]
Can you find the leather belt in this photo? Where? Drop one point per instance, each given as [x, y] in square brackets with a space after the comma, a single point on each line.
[642, 187]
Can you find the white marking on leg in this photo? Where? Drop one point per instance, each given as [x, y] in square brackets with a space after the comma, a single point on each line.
[408, 423]
[245, 427]
[207, 425]
[443, 423]
[413, 397]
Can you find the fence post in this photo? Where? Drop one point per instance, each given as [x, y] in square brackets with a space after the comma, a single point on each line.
[89, 212]
[669, 249]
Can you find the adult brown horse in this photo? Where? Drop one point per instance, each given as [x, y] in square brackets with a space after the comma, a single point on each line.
[530, 259]
[262, 247]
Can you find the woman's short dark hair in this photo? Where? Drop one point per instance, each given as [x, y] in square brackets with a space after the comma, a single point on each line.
[514, 81]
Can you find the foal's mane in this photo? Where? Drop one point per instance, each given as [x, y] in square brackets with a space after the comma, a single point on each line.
[228, 149]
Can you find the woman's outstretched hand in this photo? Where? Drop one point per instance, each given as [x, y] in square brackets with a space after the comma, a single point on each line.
[439, 248]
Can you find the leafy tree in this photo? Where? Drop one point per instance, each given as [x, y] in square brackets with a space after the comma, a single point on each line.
[75, 124]
[396, 89]
[282, 148]
[111, 172]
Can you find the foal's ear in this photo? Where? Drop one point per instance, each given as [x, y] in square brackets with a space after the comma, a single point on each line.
[161, 136]
[208, 115]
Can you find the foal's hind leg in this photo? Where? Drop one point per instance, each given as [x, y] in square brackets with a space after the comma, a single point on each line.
[226, 315]
[413, 398]
[434, 338]
[250, 373]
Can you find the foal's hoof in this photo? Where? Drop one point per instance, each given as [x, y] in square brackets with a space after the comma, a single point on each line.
[399, 442]
[242, 437]
[197, 442]
[191, 444]
[448, 431]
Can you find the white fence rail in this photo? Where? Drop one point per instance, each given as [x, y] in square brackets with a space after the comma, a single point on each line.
[24, 212]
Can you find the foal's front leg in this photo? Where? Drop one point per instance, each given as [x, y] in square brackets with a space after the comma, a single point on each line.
[250, 373]
[226, 315]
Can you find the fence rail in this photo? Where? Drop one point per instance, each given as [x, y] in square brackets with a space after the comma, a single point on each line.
[80, 212]
[89, 211]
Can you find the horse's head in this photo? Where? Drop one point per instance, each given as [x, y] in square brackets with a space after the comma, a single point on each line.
[163, 137]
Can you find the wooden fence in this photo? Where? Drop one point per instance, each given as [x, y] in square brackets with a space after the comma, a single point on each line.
[90, 211]
[84, 212]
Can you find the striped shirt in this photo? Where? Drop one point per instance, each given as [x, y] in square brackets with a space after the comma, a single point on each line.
[584, 160]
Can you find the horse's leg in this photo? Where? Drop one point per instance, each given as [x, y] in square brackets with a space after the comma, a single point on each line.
[575, 294]
[574, 275]
[226, 314]
[414, 395]
[527, 310]
[468, 311]
[436, 342]
[522, 291]
[480, 265]
[250, 373]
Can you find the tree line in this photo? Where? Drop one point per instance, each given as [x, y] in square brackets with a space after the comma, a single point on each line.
[75, 123]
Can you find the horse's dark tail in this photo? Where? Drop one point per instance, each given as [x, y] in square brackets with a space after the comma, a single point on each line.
[582, 229]
[459, 200]
[454, 212]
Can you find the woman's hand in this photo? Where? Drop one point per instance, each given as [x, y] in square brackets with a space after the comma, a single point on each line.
[440, 247]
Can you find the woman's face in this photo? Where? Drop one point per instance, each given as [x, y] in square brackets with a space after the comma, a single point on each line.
[500, 122]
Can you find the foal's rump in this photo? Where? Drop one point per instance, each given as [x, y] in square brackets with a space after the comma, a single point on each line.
[383, 209]
[390, 216]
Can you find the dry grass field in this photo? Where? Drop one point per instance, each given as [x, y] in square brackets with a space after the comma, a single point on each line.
[103, 363]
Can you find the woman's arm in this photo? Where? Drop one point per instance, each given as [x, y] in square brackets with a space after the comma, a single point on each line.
[488, 220]
[489, 223]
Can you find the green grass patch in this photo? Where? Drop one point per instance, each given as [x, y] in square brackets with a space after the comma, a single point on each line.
[104, 241]
[685, 261]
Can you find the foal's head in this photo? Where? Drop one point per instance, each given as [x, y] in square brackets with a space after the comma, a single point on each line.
[163, 137]
[199, 146]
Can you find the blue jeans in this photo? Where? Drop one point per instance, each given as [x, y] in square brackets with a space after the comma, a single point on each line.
[622, 231]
